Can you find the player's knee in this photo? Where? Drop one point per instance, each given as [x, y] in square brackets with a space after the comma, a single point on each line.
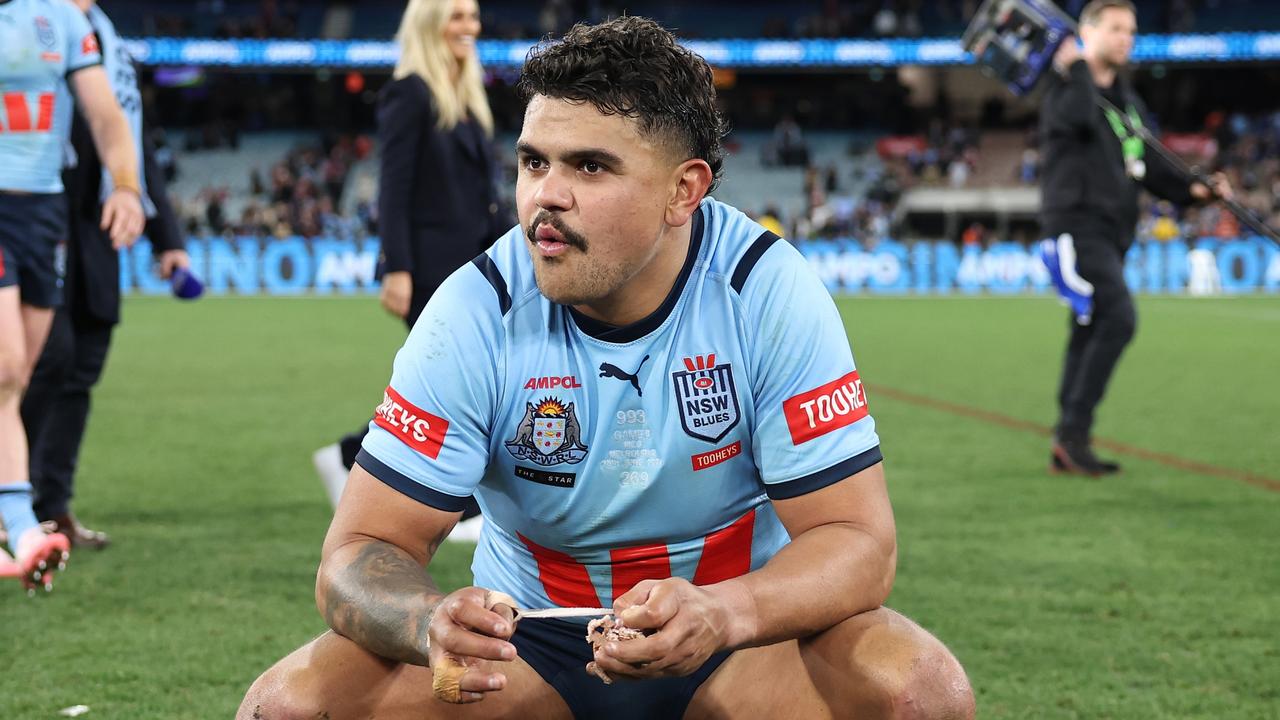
[934, 688]
[896, 670]
[13, 378]
[278, 695]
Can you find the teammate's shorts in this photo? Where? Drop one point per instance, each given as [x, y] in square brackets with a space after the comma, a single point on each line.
[33, 234]
[558, 650]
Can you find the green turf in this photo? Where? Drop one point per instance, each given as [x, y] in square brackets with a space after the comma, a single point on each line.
[1149, 596]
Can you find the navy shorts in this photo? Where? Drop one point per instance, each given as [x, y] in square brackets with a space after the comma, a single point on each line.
[33, 246]
[559, 651]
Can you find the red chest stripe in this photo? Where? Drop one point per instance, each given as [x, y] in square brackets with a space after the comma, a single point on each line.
[633, 564]
[726, 553]
[565, 579]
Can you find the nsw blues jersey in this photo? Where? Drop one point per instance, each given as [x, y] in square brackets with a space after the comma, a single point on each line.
[604, 456]
[41, 42]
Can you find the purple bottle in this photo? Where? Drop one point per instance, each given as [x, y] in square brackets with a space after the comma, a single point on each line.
[186, 286]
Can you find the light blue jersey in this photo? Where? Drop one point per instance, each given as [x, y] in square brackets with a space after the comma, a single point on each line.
[41, 43]
[605, 456]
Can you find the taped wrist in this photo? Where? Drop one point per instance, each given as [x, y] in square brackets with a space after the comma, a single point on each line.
[127, 180]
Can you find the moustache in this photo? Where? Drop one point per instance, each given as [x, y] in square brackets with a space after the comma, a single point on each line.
[571, 238]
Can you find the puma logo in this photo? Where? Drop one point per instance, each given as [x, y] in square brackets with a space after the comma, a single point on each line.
[613, 371]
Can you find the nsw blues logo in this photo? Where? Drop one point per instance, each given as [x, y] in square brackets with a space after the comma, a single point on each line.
[706, 398]
[548, 434]
[44, 32]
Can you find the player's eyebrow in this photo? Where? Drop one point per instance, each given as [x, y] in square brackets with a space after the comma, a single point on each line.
[575, 156]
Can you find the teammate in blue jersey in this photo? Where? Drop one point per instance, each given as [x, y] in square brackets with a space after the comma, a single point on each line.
[654, 401]
[45, 47]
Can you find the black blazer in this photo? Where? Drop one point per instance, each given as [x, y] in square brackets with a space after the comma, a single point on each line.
[1085, 189]
[92, 284]
[437, 202]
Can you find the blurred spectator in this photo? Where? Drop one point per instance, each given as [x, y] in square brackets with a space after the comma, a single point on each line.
[304, 193]
[214, 214]
[165, 160]
[958, 172]
[974, 236]
[771, 219]
[788, 147]
[1029, 166]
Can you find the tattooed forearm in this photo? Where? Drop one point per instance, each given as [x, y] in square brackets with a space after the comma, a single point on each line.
[378, 596]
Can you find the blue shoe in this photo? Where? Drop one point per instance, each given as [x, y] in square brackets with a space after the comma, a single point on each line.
[1059, 257]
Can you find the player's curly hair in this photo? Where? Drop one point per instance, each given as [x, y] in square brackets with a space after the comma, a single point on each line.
[634, 67]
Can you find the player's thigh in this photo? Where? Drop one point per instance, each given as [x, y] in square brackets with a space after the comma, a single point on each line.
[13, 343]
[874, 665]
[333, 677]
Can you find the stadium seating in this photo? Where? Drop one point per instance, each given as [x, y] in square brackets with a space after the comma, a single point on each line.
[703, 18]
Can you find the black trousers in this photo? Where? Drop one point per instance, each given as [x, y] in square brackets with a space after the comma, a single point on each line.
[350, 444]
[1094, 349]
[55, 409]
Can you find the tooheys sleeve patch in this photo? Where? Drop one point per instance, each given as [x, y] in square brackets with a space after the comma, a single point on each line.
[830, 407]
[89, 45]
[415, 427]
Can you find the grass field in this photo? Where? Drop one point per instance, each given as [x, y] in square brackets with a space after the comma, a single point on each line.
[1153, 595]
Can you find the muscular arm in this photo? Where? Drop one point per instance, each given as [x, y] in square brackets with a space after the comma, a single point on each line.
[107, 124]
[373, 586]
[841, 561]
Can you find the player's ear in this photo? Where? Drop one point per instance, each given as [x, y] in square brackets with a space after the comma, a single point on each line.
[692, 180]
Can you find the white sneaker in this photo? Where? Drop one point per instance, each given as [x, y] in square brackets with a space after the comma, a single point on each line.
[467, 530]
[333, 474]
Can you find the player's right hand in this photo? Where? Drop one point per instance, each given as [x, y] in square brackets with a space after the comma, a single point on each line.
[122, 218]
[397, 293]
[464, 633]
[685, 624]
[1067, 55]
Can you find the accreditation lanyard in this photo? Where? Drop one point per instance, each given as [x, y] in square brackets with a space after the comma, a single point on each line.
[1130, 142]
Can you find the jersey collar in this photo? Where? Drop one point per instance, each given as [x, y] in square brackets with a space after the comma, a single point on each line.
[644, 326]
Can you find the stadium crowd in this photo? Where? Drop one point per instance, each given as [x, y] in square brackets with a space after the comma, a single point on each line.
[512, 19]
[302, 193]
[297, 195]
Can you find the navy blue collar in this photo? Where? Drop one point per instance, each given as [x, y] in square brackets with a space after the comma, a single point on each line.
[644, 326]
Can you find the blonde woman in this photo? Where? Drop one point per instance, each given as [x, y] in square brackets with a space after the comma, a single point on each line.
[437, 202]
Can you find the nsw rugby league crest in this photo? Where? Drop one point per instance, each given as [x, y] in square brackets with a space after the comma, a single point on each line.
[548, 434]
[44, 32]
[706, 398]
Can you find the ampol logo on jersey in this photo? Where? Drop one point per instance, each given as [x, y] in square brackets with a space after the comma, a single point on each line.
[829, 407]
[552, 381]
[415, 427]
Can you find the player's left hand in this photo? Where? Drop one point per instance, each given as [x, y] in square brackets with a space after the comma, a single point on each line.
[171, 260]
[123, 218]
[689, 624]
[1218, 187]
